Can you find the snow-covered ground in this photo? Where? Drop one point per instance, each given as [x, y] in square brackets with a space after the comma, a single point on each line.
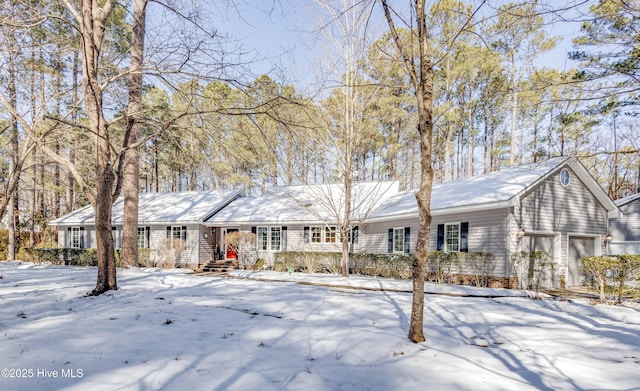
[165, 329]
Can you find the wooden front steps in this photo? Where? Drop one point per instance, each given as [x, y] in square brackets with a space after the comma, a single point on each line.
[223, 265]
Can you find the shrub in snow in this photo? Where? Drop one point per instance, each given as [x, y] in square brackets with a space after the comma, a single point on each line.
[481, 266]
[599, 267]
[439, 267]
[532, 269]
[616, 271]
[244, 245]
[259, 265]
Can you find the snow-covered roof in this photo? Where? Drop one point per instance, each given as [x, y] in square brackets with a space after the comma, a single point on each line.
[305, 204]
[158, 208]
[492, 190]
[627, 199]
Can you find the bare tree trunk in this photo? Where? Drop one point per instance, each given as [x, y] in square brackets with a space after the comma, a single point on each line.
[470, 146]
[514, 111]
[14, 169]
[131, 182]
[92, 19]
[422, 79]
[70, 197]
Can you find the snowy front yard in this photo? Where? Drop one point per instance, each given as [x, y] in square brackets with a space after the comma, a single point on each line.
[167, 330]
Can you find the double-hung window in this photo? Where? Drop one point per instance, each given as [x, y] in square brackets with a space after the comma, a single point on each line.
[76, 237]
[453, 237]
[316, 234]
[262, 238]
[177, 236]
[276, 238]
[143, 237]
[399, 240]
[330, 234]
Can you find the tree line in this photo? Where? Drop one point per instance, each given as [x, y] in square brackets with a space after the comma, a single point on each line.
[99, 101]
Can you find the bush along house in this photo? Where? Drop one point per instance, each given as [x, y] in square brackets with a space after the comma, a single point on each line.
[170, 226]
[527, 226]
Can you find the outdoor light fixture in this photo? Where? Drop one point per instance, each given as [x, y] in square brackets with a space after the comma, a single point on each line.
[521, 233]
[607, 239]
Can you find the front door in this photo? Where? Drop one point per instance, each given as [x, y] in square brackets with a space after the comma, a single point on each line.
[230, 251]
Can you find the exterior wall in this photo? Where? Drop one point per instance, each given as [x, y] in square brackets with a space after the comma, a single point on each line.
[625, 230]
[157, 239]
[377, 239]
[295, 241]
[486, 234]
[553, 207]
[564, 212]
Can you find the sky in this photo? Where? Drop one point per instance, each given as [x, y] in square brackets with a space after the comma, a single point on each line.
[172, 330]
[284, 36]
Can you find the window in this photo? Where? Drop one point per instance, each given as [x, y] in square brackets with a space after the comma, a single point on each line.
[330, 234]
[143, 237]
[399, 240]
[176, 236]
[261, 237]
[316, 234]
[353, 235]
[565, 177]
[114, 236]
[76, 237]
[276, 238]
[453, 237]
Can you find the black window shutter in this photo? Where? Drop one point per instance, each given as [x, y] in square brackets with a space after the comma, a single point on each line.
[283, 245]
[184, 233]
[70, 239]
[440, 243]
[355, 232]
[306, 234]
[390, 244]
[254, 230]
[407, 239]
[81, 237]
[147, 231]
[464, 237]
[168, 232]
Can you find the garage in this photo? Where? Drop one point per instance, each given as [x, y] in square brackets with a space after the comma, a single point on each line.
[579, 247]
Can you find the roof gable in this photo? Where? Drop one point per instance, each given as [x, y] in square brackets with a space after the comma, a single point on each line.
[493, 190]
[306, 204]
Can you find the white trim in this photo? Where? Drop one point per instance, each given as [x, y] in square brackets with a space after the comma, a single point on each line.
[327, 229]
[266, 237]
[401, 251]
[444, 239]
[270, 236]
[320, 239]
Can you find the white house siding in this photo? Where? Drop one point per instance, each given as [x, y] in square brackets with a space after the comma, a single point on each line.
[616, 248]
[377, 234]
[295, 241]
[563, 211]
[625, 230]
[486, 234]
[158, 239]
[553, 207]
[88, 235]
